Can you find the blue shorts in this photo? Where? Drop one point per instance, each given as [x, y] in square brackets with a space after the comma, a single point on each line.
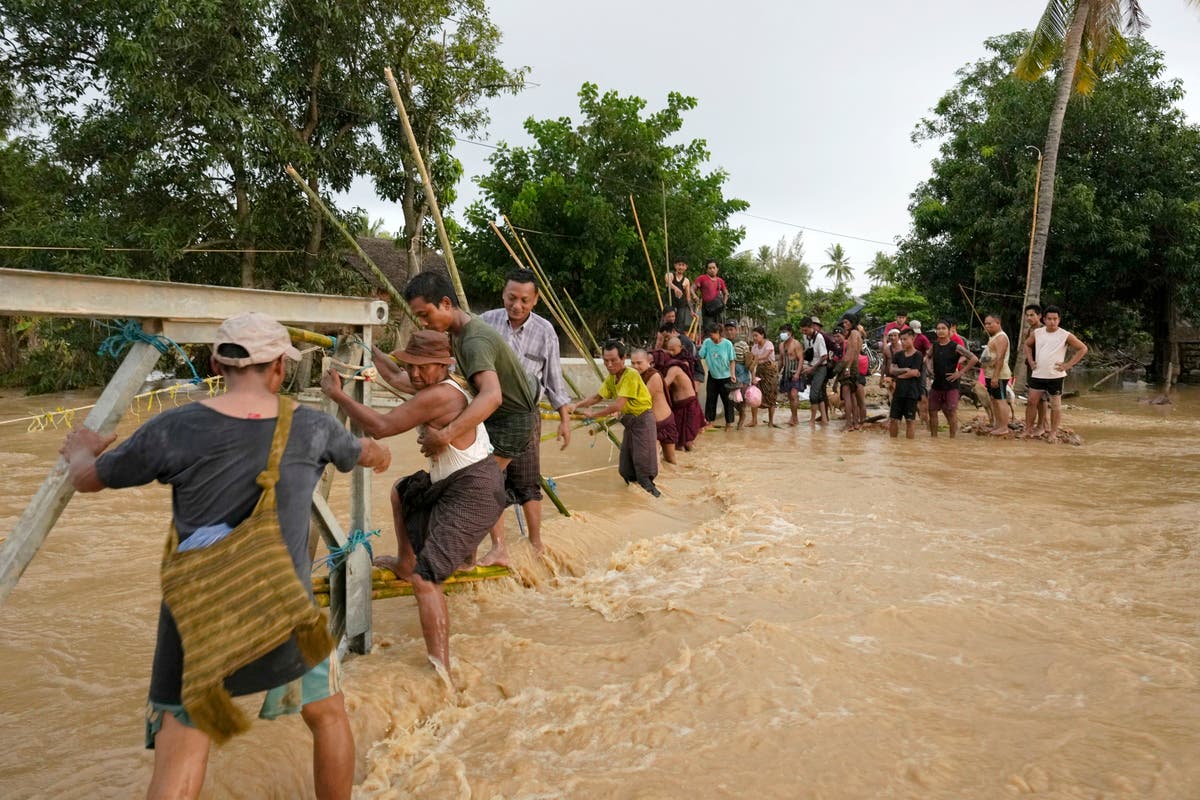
[321, 682]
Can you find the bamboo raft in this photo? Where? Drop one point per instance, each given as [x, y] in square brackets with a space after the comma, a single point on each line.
[385, 584]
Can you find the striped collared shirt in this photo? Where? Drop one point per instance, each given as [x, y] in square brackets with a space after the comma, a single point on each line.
[536, 345]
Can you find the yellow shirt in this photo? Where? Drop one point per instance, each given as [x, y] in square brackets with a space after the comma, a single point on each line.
[630, 386]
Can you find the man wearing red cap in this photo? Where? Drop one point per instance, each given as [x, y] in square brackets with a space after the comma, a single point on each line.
[442, 514]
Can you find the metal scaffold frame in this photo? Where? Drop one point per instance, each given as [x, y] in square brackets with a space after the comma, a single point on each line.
[191, 313]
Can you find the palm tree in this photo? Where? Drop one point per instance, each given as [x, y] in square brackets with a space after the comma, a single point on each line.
[1085, 38]
[882, 269]
[838, 267]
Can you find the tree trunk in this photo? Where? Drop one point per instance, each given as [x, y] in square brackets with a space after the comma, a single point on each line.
[1041, 233]
[316, 232]
[245, 241]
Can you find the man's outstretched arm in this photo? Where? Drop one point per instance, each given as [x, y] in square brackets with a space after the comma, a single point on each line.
[80, 449]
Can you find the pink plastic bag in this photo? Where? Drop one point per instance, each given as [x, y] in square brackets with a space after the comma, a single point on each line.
[754, 396]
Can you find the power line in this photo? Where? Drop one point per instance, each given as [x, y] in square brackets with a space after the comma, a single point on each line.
[818, 230]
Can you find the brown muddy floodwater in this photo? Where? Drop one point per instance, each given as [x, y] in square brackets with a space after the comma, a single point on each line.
[803, 614]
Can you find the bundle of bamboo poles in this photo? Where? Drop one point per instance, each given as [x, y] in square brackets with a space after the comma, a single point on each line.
[384, 583]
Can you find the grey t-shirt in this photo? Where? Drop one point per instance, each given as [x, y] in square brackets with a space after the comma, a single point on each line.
[211, 460]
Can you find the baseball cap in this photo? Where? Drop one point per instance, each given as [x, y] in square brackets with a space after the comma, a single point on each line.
[260, 336]
[730, 324]
[915, 324]
[815, 320]
[426, 347]
[893, 332]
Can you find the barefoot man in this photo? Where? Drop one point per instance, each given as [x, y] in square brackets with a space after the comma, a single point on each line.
[213, 454]
[664, 419]
[996, 374]
[505, 398]
[627, 397]
[1050, 368]
[533, 339]
[441, 515]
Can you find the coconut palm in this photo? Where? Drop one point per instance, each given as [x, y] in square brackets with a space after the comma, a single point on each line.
[882, 269]
[838, 268]
[1085, 38]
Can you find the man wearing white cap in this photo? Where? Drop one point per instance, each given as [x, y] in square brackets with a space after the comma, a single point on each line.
[212, 453]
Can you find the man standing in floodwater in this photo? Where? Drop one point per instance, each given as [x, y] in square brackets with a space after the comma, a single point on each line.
[945, 362]
[996, 374]
[443, 513]
[717, 354]
[212, 453]
[505, 398]
[904, 366]
[1050, 369]
[664, 418]
[1033, 319]
[533, 339]
[630, 399]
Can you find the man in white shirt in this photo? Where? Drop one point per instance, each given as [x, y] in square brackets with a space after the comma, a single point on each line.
[1049, 370]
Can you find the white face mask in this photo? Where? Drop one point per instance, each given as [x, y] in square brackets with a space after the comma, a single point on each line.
[783, 335]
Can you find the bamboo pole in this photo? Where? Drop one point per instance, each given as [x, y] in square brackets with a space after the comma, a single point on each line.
[551, 299]
[1107, 378]
[430, 193]
[392, 291]
[972, 305]
[649, 263]
[545, 278]
[310, 337]
[666, 239]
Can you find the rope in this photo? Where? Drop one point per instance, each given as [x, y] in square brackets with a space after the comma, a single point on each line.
[66, 416]
[338, 555]
[131, 331]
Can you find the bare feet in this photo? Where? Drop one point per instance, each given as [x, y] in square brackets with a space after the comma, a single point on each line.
[400, 568]
[497, 555]
[1036, 433]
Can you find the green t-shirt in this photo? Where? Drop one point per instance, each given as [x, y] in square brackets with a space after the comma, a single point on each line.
[630, 386]
[479, 348]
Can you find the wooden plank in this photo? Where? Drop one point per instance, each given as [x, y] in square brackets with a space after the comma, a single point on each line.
[47, 505]
[60, 294]
[358, 564]
[335, 585]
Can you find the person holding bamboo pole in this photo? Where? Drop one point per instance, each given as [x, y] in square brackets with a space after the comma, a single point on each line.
[441, 514]
[505, 398]
[533, 339]
[228, 516]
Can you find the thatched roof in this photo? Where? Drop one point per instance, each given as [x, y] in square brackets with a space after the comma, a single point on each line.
[392, 260]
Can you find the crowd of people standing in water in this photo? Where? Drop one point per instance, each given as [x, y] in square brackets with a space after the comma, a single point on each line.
[243, 467]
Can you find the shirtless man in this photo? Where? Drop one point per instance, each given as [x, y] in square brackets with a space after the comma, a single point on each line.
[664, 419]
[791, 363]
[681, 386]
[441, 515]
[853, 385]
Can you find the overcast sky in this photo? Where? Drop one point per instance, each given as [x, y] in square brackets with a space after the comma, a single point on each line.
[808, 106]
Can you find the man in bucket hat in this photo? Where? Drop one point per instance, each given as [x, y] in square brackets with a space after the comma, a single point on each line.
[212, 453]
[443, 513]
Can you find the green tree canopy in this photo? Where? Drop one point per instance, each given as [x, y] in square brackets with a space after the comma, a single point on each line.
[570, 189]
[175, 121]
[1127, 216]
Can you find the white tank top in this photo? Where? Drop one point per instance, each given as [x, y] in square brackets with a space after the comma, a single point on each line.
[451, 460]
[1051, 350]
